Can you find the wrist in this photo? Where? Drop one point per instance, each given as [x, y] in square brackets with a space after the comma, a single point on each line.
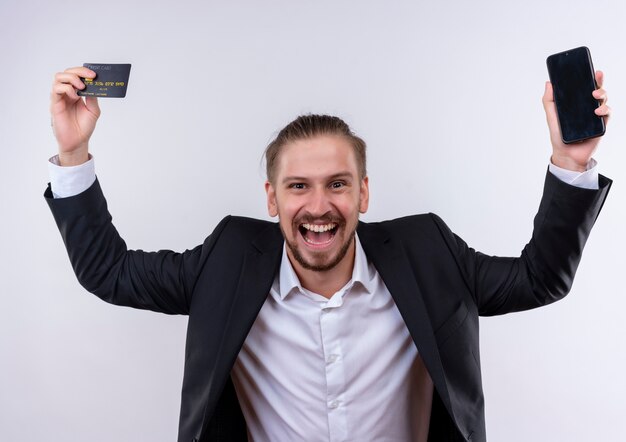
[74, 158]
[569, 163]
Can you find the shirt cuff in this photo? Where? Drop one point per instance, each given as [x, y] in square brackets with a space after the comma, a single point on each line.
[586, 180]
[71, 180]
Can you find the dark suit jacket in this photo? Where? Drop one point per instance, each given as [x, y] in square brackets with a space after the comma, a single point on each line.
[439, 284]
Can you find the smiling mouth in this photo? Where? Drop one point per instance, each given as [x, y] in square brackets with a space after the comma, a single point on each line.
[318, 234]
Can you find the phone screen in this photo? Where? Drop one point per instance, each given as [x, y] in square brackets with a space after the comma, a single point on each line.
[573, 80]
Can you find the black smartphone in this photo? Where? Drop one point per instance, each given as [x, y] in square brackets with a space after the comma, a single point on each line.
[573, 80]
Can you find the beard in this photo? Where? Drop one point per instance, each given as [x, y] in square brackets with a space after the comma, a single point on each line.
[324, 261]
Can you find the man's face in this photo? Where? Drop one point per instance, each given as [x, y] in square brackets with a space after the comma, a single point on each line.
[317, 196]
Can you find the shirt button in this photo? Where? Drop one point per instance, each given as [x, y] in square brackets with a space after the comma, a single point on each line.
[332, 358]
[333, 405]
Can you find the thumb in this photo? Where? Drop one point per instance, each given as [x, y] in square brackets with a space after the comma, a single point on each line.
[549, 106]
[548, 96]
[550, 110]
[92, 105]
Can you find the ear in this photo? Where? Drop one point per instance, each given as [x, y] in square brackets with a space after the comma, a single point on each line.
[272, 208]
[364, 195]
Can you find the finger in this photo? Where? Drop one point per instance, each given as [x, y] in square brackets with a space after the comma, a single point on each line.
[603, 111]
[600, 94]
[81, 71]
[73, 79]
[599, 78]
[62, 90]
[92, 105]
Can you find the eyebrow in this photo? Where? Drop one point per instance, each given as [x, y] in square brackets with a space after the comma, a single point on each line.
[335, 176]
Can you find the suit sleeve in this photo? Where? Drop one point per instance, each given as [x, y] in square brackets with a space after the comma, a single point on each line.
[545, 271]
[161, 281]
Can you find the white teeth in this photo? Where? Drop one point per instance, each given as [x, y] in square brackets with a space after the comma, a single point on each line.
[319, 228]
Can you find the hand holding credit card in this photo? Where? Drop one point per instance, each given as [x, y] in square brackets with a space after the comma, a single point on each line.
[111, 80]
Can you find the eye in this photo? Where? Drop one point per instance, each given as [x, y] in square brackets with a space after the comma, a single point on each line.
[337, 184]
[296, 186]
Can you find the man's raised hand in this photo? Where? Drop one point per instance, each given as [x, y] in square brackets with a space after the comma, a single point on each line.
[573, 156]
[73, 120]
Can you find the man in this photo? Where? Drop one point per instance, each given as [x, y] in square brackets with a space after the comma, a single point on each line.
[321, 327]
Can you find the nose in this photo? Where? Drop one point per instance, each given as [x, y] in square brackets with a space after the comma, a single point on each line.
[319, 203]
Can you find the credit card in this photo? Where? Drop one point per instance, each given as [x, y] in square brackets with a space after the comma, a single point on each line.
[111, 80]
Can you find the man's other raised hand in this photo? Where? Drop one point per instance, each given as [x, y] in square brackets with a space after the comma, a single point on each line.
[73, 119]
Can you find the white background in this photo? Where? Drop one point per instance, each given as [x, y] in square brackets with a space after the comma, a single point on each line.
[447, 95]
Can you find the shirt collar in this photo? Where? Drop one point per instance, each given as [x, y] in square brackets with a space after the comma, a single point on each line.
[363, 273]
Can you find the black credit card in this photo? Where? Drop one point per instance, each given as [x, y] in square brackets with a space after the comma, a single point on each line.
[111, 80]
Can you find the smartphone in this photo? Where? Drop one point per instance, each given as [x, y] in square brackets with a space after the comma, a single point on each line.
[573, 80]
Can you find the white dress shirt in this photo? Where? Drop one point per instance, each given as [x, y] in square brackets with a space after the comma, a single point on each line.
[318, 369]
[338, 369]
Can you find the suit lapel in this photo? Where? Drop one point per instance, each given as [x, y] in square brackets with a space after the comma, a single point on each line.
[260, 265]
[394, 267]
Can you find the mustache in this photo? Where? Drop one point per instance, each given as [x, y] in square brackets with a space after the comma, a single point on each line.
[324, 219]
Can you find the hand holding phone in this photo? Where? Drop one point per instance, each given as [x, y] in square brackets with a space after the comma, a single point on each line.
[574, 155]
[573, 81]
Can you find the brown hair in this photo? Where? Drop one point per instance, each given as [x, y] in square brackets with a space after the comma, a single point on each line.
[309, 126]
